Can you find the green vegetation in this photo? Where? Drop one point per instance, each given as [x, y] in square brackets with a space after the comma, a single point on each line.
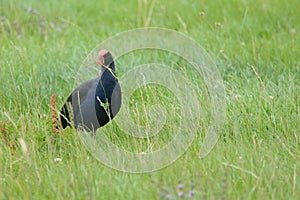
[256, 46]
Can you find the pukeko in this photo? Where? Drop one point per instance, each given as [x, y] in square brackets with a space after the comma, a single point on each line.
[95, 102]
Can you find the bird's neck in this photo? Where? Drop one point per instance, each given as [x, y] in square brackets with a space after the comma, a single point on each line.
[112, 66]
[108, 69]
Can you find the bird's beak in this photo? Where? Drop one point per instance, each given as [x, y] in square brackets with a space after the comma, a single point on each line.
[100, 61]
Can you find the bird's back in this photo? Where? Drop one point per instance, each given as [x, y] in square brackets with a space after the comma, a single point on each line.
[89, 101]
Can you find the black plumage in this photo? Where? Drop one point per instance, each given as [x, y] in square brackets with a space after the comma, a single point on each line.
[95, 102]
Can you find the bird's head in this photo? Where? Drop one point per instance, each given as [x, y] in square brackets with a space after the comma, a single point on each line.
[105, 60]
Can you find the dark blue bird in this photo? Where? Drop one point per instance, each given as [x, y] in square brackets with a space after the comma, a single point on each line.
[95, 102]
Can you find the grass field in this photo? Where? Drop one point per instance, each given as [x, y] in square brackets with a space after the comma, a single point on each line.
[256, 47]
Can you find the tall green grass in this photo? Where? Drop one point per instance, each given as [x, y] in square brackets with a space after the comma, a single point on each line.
[256, 47]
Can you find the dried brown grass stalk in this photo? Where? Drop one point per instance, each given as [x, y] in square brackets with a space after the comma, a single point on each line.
[2, 127]
[8, 139]
[55, 129]
[3, 132]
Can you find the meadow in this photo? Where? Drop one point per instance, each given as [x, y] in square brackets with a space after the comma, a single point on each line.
[256, 48]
